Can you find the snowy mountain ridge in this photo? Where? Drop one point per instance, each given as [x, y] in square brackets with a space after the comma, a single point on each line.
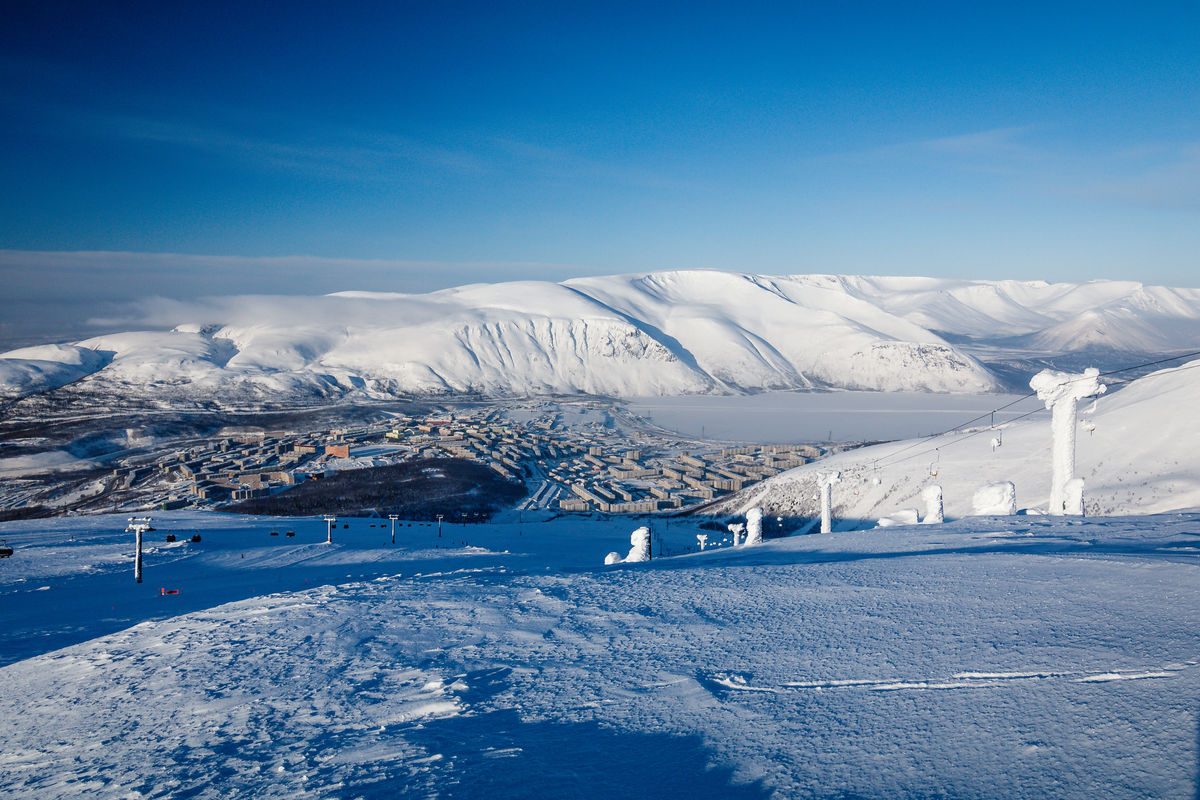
[649, 334]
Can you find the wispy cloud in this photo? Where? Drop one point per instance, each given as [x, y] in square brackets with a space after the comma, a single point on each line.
[351, 154]
[1010, 142]
[562, 163]
[1158, 174]
[1161, 176]
[992, 150]
[344, 154]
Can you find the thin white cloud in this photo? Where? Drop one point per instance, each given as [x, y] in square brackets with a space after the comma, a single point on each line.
[344, 154]
[1164, 178]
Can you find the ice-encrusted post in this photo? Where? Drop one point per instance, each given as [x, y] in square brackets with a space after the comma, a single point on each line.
[639, 542]
[828, 479]
[393, 518]
[1073, 502]
[754, 526]
[736, 529]
[934, 510]
[1061, 392]
[329, 528]
[138, 526]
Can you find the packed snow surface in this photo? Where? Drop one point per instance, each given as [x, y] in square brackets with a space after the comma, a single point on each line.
[642, 335]
[998, 657]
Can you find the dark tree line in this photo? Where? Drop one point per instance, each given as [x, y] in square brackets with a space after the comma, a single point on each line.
[419, 489]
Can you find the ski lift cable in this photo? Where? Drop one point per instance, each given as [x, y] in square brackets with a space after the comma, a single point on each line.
[963, 438]
[959, 427]
[992, 413]
[1014, 419]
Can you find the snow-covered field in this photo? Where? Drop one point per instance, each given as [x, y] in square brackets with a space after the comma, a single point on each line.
[986, 658]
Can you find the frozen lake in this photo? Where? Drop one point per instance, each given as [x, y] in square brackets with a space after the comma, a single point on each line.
[796, 417]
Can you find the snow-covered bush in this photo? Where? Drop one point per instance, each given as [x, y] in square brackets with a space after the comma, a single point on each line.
[995, 500]
[639, 549]
[640, 545]
[905, 516]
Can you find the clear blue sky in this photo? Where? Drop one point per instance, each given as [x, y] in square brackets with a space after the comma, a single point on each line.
[991, 140]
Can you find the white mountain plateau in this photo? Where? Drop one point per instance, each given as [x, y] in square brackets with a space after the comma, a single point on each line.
[655, 334]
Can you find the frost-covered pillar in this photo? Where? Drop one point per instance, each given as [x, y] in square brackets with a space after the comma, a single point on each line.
[1061, 392]
[828, 479]
[1073, 502]
[754, 526]
[138, 526]
[639, 549]
[137, 561]
[934, 510]
[736, 529]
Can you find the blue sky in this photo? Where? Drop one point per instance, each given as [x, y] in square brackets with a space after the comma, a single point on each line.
[460, 141]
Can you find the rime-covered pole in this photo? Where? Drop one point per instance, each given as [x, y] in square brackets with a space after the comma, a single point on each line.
[934, 510]
[1061, 392]
[754, 526]
[828, 479]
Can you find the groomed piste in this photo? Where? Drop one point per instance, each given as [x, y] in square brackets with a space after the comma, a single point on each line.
[991, 657]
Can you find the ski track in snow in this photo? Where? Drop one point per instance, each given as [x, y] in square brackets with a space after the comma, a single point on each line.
[922, 670]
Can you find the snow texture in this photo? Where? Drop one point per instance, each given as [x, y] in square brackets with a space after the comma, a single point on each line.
[985, 658]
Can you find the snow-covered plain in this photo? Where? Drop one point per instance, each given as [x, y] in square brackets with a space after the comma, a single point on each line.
[987, 658]
[655, 334]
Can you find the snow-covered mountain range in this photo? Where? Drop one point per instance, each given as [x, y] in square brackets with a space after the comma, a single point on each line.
[666, 333]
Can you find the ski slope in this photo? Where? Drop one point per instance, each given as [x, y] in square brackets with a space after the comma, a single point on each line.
[987, 658]
[1136, 450]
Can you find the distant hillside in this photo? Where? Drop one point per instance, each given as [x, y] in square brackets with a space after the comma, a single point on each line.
[667, 333]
